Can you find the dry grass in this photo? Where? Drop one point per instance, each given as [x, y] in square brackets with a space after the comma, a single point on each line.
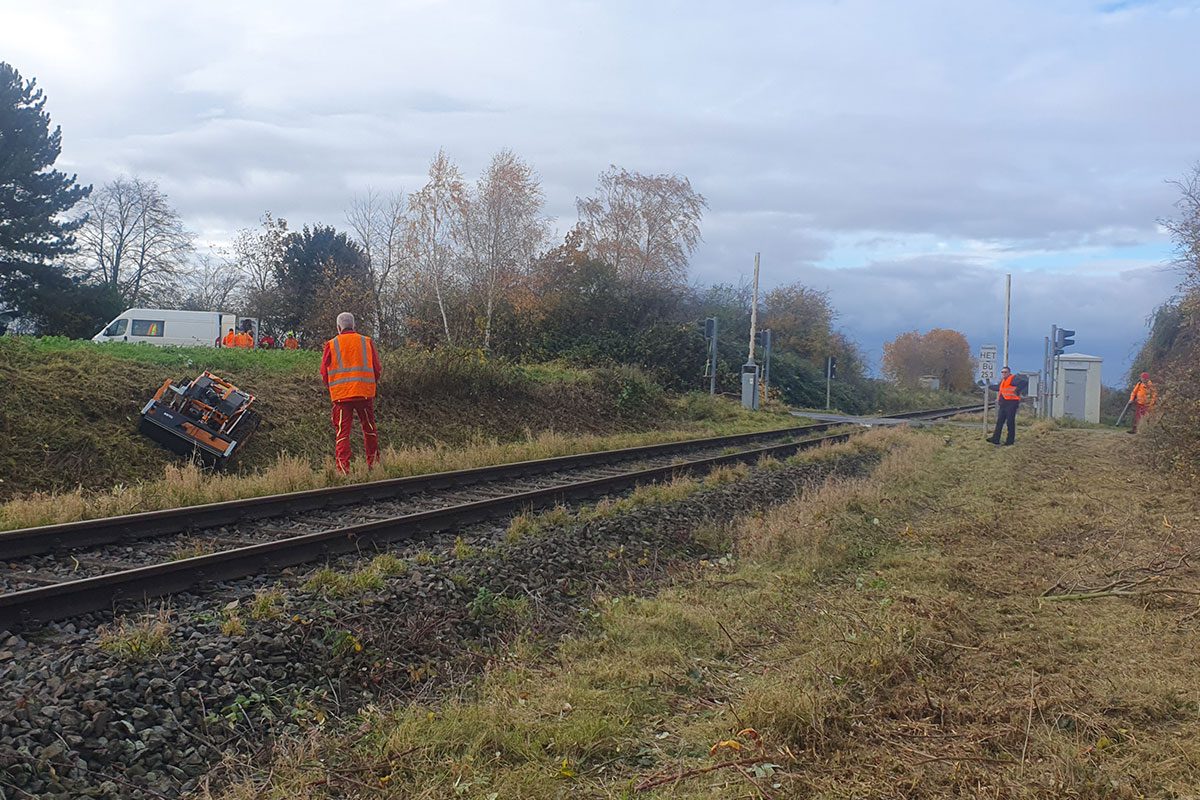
[188, 485]
[136, 640]
[875, 638]
[329, 582]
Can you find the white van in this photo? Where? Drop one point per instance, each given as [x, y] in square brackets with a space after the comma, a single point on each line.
[163, 327]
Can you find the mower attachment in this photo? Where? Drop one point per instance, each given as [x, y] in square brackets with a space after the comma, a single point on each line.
[208, 417]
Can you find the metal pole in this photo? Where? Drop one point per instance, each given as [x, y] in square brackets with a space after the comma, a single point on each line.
[753, 313]
[1053, 361]
[828, 378]
[1007, 306]
[712, 358]
[1042, 410]
[766, 383]
[985, 407]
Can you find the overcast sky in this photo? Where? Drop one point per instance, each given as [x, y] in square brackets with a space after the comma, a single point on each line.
[903, 156]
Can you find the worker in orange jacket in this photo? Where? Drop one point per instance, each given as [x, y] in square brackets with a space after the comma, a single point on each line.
[245, 340]
[290, 342]
[1143, 397]
[350, 368]
[230, 339]
[1008, 401]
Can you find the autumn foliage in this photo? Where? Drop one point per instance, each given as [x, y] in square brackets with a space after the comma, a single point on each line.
[940, 352]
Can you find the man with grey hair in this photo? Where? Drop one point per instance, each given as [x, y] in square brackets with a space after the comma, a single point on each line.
[351, 371]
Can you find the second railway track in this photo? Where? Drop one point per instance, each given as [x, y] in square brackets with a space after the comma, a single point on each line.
[59, 571]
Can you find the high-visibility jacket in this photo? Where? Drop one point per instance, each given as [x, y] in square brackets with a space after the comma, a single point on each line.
[230, 340]
[1008, 389]
[1144, 394]
[350, 366]
[291, 343]
[245, 340]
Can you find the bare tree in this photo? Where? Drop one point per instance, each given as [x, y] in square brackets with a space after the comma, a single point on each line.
[644, 226]
[257, 258]
[1185, 228]
[503, 229]
[380, 225]
[212, 283]
[434, 227]
[134, 241]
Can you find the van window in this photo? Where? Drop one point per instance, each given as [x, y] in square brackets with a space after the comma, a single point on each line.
[117, 328]
[147, 327]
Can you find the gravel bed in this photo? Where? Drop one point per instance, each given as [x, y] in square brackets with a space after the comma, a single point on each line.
[78, 722]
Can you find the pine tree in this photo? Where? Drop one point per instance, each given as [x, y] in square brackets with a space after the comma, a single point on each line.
[34, 235]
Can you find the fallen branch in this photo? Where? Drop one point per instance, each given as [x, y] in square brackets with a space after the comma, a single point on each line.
[650, 783]
[1119, 593]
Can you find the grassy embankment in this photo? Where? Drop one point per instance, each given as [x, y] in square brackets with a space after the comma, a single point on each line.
[970, 621]
[69, 447]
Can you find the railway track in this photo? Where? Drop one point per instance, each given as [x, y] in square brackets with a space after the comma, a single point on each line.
[59, 571]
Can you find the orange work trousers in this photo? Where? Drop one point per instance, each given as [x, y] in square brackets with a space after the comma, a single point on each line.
[343, 415]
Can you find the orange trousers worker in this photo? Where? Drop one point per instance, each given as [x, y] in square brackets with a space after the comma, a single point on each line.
[351, 370]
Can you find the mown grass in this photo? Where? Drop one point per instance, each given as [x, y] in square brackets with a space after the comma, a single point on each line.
[881, 637]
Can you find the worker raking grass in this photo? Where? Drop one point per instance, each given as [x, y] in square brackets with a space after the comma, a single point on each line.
[351, 370]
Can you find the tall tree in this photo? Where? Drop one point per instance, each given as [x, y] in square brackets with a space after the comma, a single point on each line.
[34, 197]
[941, 352]
[135, 242]
[436, 216]
[503, 229]
[321, 268]
[645, 226]
[801, 320]
[380, 225]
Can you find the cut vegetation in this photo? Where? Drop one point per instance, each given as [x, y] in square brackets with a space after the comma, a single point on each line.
[969, 621]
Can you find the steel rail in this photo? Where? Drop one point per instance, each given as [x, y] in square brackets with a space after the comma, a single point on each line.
[103, 592]
[108, 530]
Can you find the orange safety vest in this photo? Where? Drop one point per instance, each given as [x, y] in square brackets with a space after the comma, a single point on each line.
[230, 339]
[1008, 390]
[353, 373]
[1144, 394]
[290, 343]
[245, 340]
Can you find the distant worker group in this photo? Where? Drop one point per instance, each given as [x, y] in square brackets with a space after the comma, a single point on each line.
[240, 339]
[245, 340]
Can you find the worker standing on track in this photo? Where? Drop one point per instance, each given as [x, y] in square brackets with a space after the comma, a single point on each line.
[1009, 400]
[350, 368]
[1143, 397]
[230, 339]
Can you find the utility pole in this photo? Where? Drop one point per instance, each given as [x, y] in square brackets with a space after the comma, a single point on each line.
[753, 313]
[750, 369]
[1007, 306]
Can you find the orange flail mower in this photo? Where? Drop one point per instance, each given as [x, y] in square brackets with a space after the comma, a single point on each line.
[208, 418]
